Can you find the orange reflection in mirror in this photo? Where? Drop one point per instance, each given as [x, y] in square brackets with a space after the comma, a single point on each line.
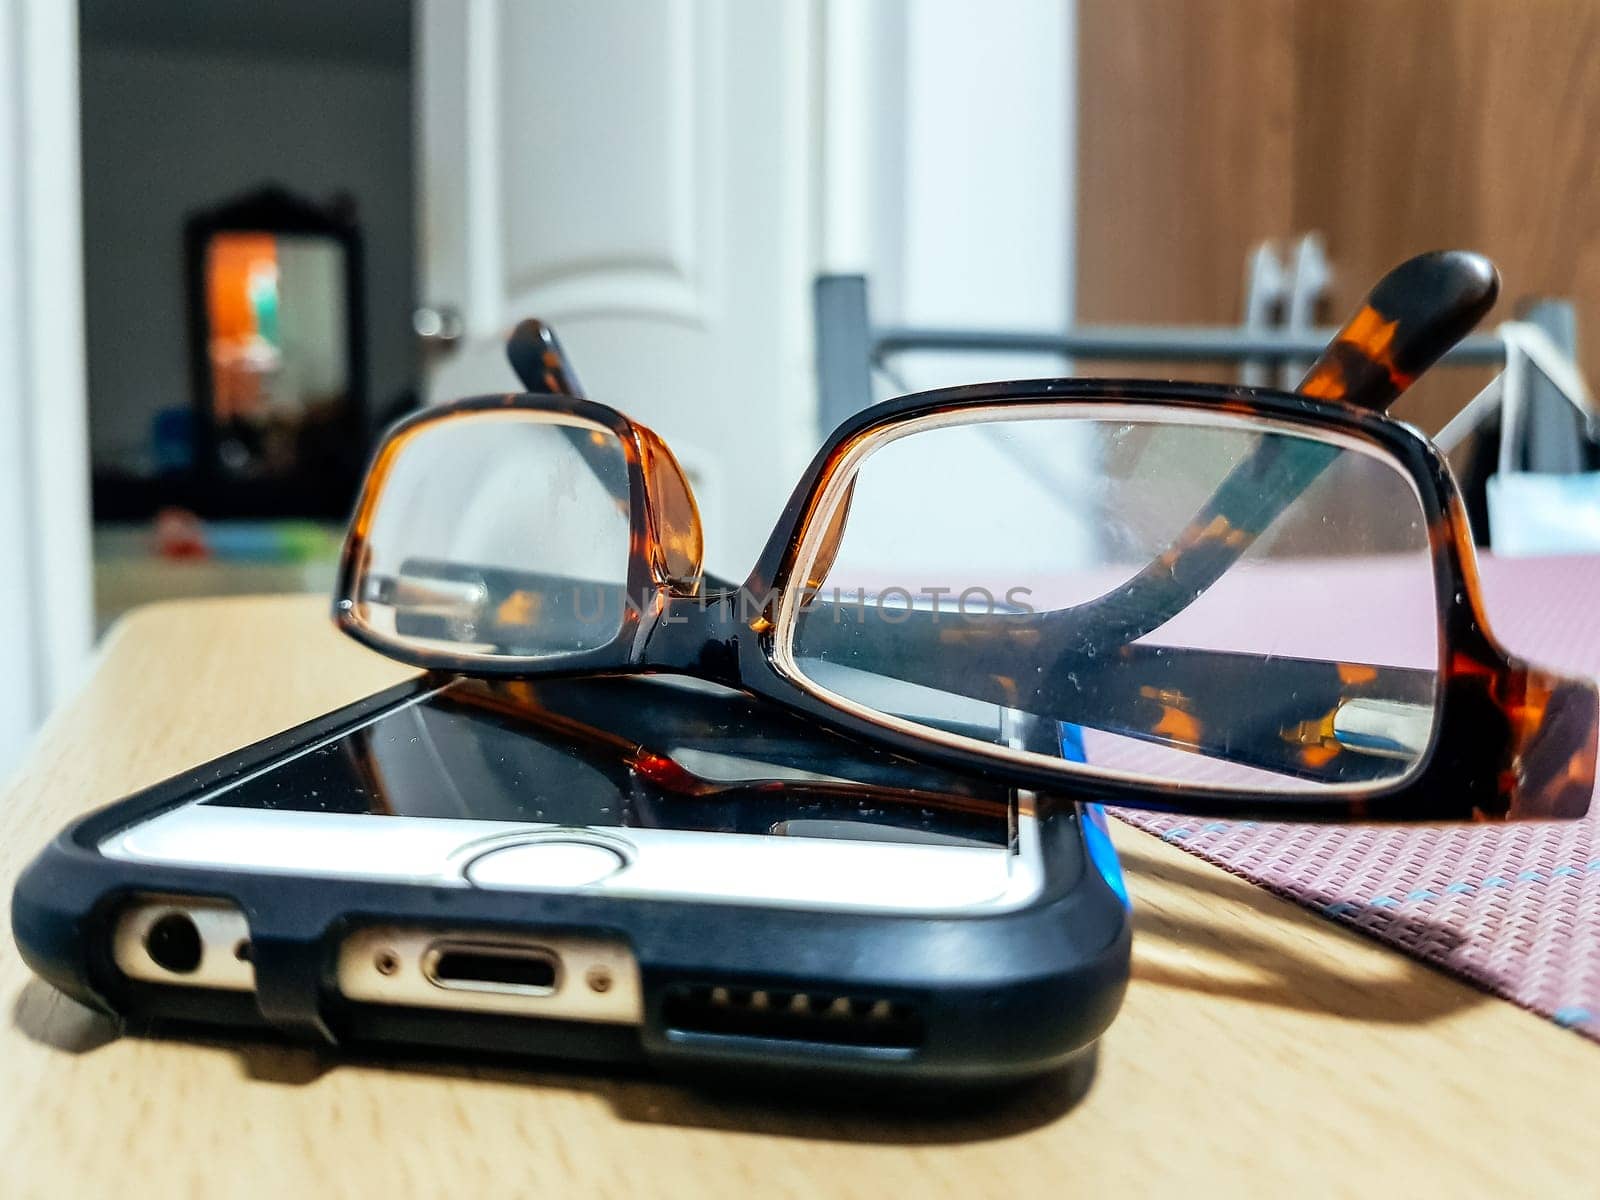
[242, 308]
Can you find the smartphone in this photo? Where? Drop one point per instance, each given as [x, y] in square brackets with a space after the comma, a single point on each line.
[643, 869]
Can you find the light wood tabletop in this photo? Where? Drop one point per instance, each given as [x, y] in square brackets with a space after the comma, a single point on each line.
[1261, 1050]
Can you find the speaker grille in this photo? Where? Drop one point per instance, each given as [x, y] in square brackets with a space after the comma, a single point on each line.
[793, 1016]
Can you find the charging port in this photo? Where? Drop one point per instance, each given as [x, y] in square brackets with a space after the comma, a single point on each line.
[511, 970]
[541, 975]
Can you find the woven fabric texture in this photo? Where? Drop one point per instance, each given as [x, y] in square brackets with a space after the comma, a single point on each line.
[1514, 909]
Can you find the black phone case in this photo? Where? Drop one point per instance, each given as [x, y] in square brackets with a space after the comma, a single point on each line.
[993, 997]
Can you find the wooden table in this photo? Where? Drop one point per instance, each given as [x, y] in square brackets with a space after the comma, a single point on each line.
[1261, 1050]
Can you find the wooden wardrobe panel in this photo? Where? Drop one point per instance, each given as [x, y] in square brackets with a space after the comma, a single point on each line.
[1422, 125]
[1184, 150]
[1390, 126]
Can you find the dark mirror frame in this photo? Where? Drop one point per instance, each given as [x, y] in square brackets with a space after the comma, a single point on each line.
[274, 210]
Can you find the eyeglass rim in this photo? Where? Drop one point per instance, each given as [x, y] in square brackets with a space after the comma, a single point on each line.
[642, 565]
[859, 449]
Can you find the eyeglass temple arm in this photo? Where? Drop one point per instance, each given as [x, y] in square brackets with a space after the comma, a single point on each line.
[1410, 319]
[1313, 719]
[1414, 314]
[543, 368]
[541, 364]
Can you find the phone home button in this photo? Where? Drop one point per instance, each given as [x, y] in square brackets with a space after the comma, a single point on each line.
[546, 863]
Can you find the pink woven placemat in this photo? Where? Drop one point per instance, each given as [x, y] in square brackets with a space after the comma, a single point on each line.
[1514, 909]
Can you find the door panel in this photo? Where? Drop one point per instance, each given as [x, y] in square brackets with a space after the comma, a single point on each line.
[616, 229]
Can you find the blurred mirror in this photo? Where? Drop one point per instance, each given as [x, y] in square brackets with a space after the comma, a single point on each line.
[277, 313]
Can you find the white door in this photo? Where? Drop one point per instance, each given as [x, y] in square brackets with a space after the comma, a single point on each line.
[638, 175]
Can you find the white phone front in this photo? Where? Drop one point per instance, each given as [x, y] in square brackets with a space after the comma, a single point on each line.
[439, 790]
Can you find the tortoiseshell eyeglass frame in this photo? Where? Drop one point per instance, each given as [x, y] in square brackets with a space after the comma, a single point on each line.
[1510, 740]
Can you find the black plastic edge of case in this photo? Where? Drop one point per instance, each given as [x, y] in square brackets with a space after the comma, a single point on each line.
[999, 996]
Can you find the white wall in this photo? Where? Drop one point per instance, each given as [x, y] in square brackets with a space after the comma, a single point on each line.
[988, 183]
[44, 557]
[949, 182]
[168, 131]
[18, 658]
[949, 171]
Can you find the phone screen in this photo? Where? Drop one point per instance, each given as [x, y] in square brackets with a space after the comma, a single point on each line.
[637, 753]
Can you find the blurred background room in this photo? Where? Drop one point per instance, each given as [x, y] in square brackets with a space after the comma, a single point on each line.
[238, 239]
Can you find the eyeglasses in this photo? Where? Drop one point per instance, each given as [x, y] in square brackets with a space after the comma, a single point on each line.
[1216, 600]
